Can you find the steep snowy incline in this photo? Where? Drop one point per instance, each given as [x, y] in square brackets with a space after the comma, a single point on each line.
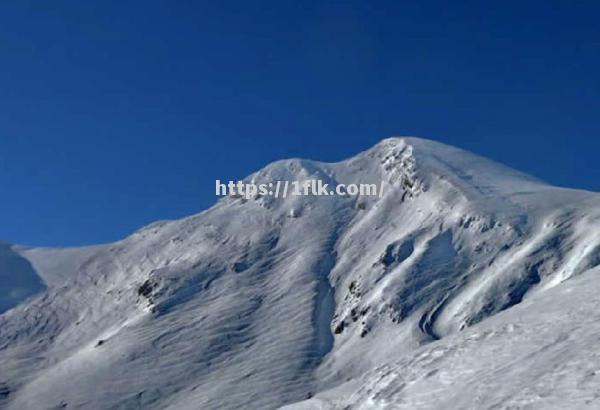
[263, 302]
[542, 354]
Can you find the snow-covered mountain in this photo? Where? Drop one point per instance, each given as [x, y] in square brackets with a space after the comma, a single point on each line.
[322, 302]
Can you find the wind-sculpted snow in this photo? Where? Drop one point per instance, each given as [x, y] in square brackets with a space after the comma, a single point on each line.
[542, 354]
[265, 302]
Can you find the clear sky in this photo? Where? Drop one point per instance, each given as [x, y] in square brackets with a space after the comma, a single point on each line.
[117, 114]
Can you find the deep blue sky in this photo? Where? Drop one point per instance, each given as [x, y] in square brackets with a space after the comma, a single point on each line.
[116, 114]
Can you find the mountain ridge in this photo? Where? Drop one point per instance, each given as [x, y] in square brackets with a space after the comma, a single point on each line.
[264, 302]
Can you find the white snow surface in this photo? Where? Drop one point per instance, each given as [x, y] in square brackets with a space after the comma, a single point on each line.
[466, 285]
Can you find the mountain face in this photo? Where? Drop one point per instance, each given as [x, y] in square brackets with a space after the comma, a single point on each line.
[465, 285]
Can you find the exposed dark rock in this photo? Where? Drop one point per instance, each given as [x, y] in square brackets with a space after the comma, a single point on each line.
[352, 287]
[146, 288]
[339, 328]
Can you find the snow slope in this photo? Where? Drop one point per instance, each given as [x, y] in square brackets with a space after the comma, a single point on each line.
[366, 302]
[541, 354]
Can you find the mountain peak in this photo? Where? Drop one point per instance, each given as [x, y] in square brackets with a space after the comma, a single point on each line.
[278, 299]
